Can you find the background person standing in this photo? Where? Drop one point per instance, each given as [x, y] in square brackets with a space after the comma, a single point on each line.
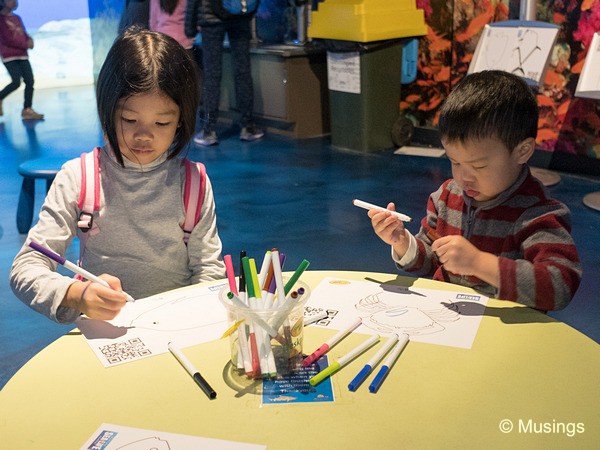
[14, 43]
[213, 24]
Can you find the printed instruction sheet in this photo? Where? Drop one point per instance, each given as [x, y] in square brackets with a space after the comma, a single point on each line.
[116, 437]
[426, 315]
[145, 327]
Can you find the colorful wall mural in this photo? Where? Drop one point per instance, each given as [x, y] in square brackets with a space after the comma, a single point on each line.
[568, 125]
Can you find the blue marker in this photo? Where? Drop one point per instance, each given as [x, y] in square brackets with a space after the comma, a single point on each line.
[387, 365]
[364, 373]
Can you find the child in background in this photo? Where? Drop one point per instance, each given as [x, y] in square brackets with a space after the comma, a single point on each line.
[167, 16]
[147, 94]
[14, 42]
[493, 226]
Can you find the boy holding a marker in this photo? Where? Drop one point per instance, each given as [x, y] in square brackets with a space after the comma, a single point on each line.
[493, 226]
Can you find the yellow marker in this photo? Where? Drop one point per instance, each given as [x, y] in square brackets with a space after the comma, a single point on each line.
[254, 275]
[232, 328]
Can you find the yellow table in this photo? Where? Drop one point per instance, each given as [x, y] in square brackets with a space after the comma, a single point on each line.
[524, 367]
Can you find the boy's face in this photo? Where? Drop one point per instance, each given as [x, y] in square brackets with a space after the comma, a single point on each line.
[484, 168]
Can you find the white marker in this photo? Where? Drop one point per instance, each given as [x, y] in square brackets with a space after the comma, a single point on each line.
[364, 373]
[330, 343]
[365, 205]
[315, 317]
[328, 371]
[387, 365]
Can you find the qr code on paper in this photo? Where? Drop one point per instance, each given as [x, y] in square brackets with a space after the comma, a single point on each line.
[310, 311]
[125, 350]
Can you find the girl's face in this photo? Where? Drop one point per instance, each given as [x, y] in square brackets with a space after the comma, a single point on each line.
[146, 126]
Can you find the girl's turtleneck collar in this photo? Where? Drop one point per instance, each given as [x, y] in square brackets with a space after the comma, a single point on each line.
[132, 165]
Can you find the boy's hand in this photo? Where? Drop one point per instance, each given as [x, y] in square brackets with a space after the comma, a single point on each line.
[389, 228]
[461, 257]
[97, 301]
[29, 43]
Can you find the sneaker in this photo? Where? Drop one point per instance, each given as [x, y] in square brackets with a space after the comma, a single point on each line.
[30, 114]
[206, 138]
[251, 133]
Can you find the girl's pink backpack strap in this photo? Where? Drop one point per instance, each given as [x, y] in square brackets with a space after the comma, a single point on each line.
[89, 196]
[193, 195]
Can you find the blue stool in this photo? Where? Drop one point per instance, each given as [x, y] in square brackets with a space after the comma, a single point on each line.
[44, 168]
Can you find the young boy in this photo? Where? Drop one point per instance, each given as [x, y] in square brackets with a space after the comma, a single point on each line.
[493, 226]
[14, 43]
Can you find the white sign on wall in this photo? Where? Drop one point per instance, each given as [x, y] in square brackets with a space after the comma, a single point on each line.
[589, 81]
[519, 47]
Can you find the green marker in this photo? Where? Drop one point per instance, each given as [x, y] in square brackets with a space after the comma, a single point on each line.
[248, 276]
[290, 284]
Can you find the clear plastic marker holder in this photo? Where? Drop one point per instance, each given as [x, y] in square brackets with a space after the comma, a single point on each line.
[278, 334]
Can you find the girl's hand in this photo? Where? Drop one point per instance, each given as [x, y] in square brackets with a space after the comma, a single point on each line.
[389, 228]
[97, 301]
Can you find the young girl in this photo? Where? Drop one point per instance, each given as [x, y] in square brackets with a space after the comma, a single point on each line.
[14, 43]
[147, 95]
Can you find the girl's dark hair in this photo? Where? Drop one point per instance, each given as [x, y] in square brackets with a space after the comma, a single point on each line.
[142, 61]
[490, 104]
[168, 6]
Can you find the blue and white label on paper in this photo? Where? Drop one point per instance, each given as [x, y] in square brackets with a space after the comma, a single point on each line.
[295, 388]
[103, 440]
[470, 297]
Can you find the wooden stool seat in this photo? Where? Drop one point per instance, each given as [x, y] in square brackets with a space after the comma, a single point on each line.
[42, 168]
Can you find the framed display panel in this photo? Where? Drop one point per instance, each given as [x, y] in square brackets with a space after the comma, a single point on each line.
[516, 46]
[589, 81]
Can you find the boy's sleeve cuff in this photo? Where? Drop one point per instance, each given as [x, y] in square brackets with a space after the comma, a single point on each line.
[410, 254]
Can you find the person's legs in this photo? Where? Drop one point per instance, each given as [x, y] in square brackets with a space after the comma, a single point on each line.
[239, 41]
[14, 70]
[29, 81]
[28, 113]
[212, 51]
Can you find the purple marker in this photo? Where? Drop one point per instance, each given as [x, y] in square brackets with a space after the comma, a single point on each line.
[72, 267]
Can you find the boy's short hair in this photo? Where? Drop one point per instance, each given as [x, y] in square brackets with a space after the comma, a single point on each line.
[490, 104]
[142, 61]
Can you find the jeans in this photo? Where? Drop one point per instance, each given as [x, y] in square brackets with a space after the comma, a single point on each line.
[212, 50]
[17, 69]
